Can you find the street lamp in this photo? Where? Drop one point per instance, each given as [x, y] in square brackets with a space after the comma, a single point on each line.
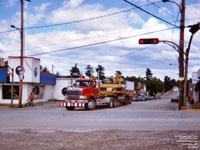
[181, 52]
[21, 63]
[173, 64]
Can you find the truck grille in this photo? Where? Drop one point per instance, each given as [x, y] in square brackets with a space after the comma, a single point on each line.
[73, 93]
[73, 97]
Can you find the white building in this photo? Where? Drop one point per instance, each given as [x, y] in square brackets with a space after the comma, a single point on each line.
[41, 84]
[196, 86]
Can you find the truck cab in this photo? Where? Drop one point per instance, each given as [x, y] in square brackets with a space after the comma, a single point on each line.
[82, 92]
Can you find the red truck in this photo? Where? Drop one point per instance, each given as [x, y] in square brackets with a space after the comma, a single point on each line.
[86, 93]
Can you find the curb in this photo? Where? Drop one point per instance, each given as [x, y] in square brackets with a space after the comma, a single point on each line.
[191, 110]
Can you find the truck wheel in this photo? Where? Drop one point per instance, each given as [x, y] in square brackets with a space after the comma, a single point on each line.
[126, 100]
[91, 105]
[110, 104]
[70, 108]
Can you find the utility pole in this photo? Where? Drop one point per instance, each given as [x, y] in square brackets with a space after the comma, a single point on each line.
[194, 28]
[21, 53]
[21, 71]
[182, 103]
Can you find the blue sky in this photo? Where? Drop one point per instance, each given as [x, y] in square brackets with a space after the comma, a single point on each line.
[125, 55]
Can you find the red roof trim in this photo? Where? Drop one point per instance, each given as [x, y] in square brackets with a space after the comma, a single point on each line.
[23, 57]
[83, 79]
[48, 73]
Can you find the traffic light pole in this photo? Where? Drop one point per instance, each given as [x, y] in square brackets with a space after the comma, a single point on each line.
[186, 69]
[194, 28]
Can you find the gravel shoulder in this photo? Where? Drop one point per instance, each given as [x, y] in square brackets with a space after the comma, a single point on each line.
[99, 140]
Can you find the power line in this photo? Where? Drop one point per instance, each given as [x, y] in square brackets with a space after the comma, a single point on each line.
[135, 50]
[192, 18]
[175, 24]
[99, 43]
[2, 32]
[151, 14]
[88, 19]
[78, 21]
[81, 39]
[161, 9]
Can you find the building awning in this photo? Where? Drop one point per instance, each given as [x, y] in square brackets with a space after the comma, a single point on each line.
[3, 74]
[47, 78]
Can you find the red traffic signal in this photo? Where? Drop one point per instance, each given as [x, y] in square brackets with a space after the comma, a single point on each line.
[149, 41]
[194, 28]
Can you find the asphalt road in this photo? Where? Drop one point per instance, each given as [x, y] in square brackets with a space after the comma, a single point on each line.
[159, 114]
[146, 125]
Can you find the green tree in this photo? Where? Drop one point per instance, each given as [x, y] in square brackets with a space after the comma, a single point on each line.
[5, 65]
[100, 69]
[75, 72]
[89, 71]
[133, 78]
[44, 69]
[149, 74]
[169, 83]
[154, 86]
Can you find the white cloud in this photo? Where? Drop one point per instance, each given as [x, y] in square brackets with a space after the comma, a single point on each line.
[75, 3]
[164, 11]
[42, 8]
[164, 55]
[10, 3]
[135, 18]
[192, 11]
[65, 14]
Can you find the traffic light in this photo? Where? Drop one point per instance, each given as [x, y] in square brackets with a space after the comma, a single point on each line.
[194, 28]
[149, 41]
[165, 1]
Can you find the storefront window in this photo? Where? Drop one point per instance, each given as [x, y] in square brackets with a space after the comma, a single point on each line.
[6, 92]
[37, 91]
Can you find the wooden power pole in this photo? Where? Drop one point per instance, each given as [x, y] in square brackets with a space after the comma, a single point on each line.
[182, 103]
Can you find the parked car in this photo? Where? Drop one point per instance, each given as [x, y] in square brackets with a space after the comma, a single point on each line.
[174, 100]
[156, 97]
[141, 98]
[149, 97]
[133, 97]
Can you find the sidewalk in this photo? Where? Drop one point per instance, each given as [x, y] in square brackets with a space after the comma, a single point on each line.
[190, 107]
[48, 104]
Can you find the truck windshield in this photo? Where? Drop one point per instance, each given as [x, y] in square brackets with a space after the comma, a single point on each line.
[83, 83]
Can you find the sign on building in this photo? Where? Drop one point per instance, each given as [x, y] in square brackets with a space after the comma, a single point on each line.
[198, 74]
[194, 77]
[1, 61]
[30, 72]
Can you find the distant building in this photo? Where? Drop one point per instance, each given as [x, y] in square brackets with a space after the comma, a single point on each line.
[195, 87]
[45, 86]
